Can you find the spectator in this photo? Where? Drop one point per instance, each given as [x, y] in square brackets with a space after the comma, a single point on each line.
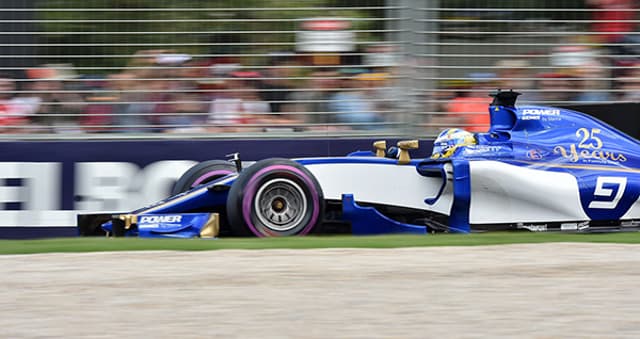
[178, 105]
[556, 88]
[613, 19]
[277, 84]
[435, 105]
[14, 110]
[239, 106]
[631, 89]
[353, 106]
[471, 110]
[629, 85]
[60, 107]
[187, 113]
[158, 94]
[191, 97]
[376, 88]
[314, 102]
[593, 83]
[97, 116]
[516, 74]
[133, 110]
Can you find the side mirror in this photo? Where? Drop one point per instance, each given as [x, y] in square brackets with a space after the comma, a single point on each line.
[405, 146]
[381, 148]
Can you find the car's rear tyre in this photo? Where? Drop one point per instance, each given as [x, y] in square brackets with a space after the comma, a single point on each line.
[275, 197]
[202, 173]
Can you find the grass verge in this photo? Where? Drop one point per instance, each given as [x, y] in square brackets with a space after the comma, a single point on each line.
[387, 241]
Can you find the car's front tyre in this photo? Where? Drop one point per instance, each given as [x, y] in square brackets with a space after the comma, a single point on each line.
[275, 197]
[202, 173]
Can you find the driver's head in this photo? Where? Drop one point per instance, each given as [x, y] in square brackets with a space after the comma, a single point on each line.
[449, 140]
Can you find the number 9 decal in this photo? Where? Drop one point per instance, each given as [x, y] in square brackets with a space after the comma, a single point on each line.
[604, 192]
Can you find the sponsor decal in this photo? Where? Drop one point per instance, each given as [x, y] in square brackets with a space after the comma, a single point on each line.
[154, 219]
[483, 150]
[488, 148]
[534, 154]
[325, 35]
[39, 193]
[630, 223]
[574, 226]
[326, 24]
[589, 148]
[533, 227]
[538, 113]
[573, 154]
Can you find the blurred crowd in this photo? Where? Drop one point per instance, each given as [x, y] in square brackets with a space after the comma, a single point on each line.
[167, 92]
[599, 67]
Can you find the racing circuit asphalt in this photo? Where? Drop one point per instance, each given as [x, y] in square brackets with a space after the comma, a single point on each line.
[555, 290]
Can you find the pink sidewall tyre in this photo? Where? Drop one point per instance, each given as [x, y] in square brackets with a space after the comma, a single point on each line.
[202, 173]
[275, 197]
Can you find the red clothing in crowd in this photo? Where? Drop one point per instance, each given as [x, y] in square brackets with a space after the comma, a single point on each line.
[473, 111]
[14, 112]
[613, 16]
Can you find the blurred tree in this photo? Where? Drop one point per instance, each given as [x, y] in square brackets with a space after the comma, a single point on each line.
[15, 46]
[516, 4]
[538, 5]
[215, 27]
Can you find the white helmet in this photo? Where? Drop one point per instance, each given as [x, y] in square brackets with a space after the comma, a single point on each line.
[449, 140]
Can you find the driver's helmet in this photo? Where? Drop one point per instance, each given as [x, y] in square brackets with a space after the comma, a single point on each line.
[449, 140]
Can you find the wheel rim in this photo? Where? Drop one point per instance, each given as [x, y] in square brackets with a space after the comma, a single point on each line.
[280, 204]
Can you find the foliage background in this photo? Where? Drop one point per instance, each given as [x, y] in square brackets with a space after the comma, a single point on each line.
[217, 26]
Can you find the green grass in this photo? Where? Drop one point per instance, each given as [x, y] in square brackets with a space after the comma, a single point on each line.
[390, 241]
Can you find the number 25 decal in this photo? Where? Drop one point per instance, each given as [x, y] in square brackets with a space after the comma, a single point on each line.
[589, 140]
[604, 192]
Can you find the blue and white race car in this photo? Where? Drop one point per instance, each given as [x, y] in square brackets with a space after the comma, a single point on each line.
[537, 168]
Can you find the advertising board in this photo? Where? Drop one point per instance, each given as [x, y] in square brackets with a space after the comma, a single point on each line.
[43, 185]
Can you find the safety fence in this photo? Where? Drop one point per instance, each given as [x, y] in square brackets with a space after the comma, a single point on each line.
[219, 68]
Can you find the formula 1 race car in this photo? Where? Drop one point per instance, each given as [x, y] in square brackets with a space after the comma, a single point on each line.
[537, 168]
